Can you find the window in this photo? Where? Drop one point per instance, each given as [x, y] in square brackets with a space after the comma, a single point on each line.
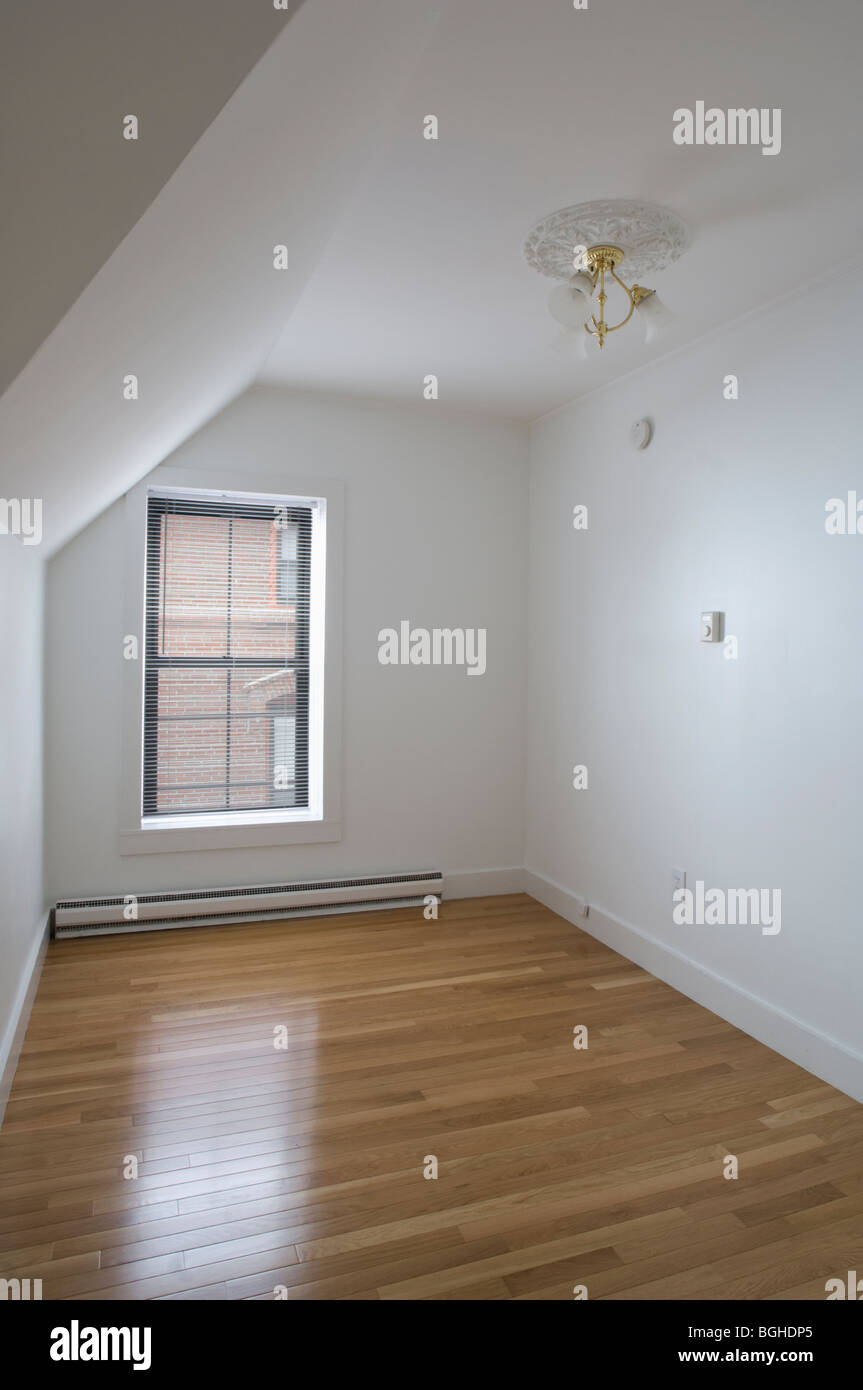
[229, 678]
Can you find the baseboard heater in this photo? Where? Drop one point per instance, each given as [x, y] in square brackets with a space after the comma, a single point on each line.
[211, 906]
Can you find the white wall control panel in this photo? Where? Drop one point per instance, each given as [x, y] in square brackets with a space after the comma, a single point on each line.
[711, 627]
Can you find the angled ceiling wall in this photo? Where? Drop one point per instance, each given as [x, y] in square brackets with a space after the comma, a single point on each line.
[190, 302]
[69, 73]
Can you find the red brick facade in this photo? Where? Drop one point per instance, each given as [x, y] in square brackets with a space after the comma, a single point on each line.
[224, 592]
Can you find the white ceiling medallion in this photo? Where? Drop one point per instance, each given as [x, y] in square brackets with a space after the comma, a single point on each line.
[582, 248]
[649, 236]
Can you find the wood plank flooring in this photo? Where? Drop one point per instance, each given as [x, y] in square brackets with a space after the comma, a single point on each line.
[262, 1168]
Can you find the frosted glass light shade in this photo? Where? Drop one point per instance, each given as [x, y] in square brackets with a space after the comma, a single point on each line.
[656, 318]
[569, 306]
[583, 282]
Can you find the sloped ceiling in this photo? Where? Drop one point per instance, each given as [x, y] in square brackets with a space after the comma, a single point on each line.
[405, 254]
[190, 301]
[72, 186]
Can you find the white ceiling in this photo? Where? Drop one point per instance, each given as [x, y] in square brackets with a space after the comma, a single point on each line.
[541, 106]
[405, 254]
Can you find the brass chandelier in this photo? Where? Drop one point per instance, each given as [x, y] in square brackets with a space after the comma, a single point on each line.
[582, 247]
[572, 304]
[602, 261]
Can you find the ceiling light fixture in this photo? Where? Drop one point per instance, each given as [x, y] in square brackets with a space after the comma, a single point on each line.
[582, 246]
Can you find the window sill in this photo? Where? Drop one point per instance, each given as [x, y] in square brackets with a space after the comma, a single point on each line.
[185, 833]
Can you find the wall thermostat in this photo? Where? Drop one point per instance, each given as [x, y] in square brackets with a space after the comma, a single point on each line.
[641, 434]
[711, 627]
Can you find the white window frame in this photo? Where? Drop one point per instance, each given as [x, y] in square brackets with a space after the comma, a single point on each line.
[321, 821]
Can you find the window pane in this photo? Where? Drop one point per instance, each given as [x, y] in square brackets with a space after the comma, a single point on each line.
[228, 738]
[193, 608]
[267, 605]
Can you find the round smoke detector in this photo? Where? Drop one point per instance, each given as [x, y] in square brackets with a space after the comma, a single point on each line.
[641, 434]
[649, 236]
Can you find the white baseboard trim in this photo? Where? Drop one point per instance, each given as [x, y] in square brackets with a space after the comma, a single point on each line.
[484, 883]
[13, 1038]
[826, 1057]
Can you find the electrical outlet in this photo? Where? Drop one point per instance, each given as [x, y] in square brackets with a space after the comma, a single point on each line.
[582, 907]
[678, 880]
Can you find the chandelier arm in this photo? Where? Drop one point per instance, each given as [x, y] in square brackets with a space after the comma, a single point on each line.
[612, 328]
[600, 328]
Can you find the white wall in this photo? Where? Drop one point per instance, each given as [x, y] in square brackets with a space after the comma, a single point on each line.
[435, 512]
[21, 901]
[746, 773]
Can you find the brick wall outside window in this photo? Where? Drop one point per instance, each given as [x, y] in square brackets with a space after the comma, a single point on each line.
[200, 569]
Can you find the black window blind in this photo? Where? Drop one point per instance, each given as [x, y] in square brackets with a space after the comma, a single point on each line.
[226, 680]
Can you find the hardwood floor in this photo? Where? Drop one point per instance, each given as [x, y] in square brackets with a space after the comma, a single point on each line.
[303, 1168]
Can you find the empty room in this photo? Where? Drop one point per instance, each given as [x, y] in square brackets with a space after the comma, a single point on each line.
[430, 600]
